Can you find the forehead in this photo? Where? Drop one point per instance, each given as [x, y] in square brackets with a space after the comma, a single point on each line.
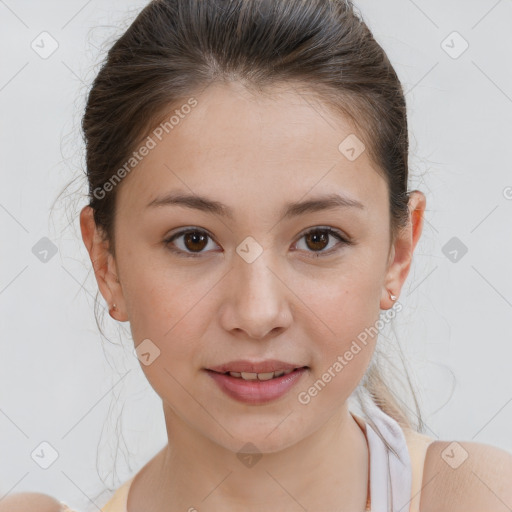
[277, 146]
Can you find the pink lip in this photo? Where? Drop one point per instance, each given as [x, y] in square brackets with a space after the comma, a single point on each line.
[256, 391]
[270, 365]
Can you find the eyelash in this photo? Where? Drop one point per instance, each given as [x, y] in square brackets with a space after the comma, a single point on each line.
[329, 231]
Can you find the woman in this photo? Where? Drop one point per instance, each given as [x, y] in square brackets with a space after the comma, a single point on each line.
[249, 216]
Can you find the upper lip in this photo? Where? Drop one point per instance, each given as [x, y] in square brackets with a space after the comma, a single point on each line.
[270, 365]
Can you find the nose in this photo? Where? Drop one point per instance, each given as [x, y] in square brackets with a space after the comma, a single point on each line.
[256, 302]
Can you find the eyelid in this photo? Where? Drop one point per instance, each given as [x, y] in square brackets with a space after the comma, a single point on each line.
[183, 231]
[343, 240]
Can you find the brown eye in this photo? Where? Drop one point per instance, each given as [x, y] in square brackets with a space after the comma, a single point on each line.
[193, 243]
[317, 240]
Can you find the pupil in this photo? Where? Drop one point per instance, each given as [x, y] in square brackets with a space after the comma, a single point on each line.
[316, 237]
[194, 237]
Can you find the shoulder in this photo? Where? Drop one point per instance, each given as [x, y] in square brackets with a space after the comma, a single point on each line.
[466, 476]
[30, 502]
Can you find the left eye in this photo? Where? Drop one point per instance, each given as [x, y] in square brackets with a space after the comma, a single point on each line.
[195, 240]
[317, 237]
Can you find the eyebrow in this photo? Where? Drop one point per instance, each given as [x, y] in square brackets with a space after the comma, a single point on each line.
[205, 204]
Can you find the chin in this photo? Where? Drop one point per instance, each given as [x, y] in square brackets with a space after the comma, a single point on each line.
[265, 438]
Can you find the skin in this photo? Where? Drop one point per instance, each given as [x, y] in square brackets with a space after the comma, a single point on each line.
[253, 153]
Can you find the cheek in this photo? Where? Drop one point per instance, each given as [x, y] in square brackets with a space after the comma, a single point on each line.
[167, 313]
[342, 318]
[165, 306]
[156, 294]
[345, 300]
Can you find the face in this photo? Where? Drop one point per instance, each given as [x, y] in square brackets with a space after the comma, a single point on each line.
[257, 284]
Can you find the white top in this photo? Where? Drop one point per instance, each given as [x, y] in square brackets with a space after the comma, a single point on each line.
[390, 471]
[395, 476]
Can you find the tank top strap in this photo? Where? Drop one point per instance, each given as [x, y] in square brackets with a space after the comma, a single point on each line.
[418, 445]
[394, 481]
[119, 501]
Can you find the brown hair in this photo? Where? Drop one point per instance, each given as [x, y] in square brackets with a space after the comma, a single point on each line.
[176, 48]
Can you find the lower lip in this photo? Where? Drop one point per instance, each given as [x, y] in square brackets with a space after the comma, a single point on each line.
[256, 391]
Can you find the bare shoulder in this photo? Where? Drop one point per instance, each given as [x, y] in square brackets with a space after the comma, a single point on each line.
[466, 476]
[30, 502]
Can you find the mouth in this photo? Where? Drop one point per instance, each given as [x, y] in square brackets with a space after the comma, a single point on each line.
[261, 376]
[257, 388]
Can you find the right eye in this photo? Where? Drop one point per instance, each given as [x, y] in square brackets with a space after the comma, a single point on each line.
[194, 241]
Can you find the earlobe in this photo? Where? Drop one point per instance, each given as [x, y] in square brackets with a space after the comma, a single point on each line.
[401, 253]
[103, 263]
[388, 298]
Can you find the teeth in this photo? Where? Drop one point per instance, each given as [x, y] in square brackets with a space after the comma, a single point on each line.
[265, 376]
[249, 376]
[260, 376]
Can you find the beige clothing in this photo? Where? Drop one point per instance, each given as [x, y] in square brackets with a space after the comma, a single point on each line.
[394, 480]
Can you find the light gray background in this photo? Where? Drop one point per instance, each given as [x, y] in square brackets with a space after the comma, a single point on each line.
[56, 385]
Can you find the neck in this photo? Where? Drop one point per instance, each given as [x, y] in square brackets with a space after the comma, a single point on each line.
[328, 470]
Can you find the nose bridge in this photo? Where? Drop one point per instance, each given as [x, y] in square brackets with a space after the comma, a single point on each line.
[256, 298]
[255, 267]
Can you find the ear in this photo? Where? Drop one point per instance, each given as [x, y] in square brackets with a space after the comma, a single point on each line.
[103, 264]
[401, 252]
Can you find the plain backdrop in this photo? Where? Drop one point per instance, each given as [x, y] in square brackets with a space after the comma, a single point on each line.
[68, 393]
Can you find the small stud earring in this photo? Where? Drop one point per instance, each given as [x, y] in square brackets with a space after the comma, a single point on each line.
[393, 297]
[111, 310]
